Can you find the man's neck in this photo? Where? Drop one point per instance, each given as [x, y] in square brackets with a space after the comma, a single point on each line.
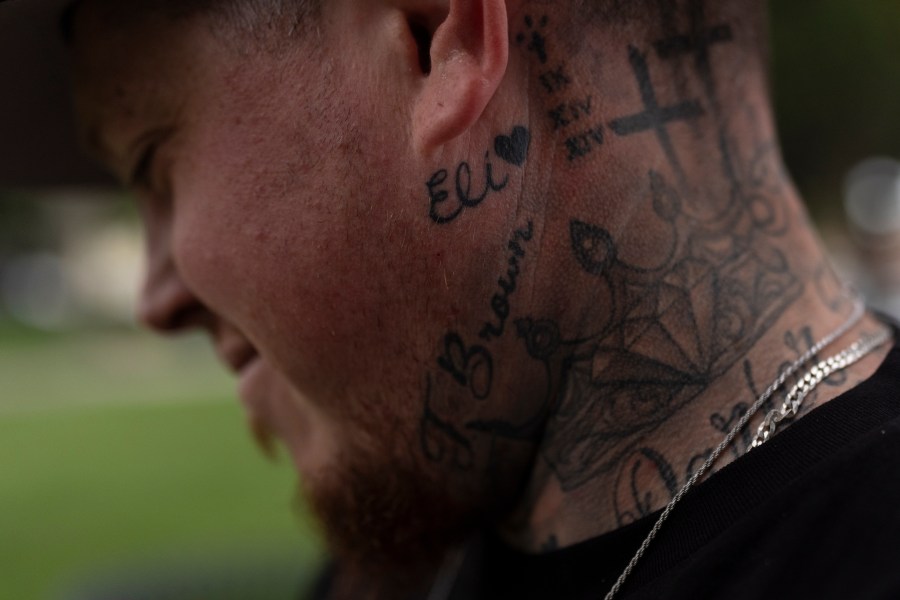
[678, 271]
[642, 394]
[689, 289]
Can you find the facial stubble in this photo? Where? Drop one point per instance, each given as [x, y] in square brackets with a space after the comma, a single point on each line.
[389, 516]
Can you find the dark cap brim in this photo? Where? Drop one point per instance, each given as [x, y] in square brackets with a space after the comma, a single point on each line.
[38, 145]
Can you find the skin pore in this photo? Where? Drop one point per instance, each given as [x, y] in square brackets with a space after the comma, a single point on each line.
[516, 265]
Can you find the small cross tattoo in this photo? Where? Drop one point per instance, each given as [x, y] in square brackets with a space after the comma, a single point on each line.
[654, 117]
[698, 42]
[537, 43]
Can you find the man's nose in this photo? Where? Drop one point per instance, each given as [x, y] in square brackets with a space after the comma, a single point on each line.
[166, 303]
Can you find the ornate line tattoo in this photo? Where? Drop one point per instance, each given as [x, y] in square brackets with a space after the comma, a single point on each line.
[673, 326]
[666, 326]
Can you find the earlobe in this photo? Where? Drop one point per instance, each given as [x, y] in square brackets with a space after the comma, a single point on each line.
[469, 54]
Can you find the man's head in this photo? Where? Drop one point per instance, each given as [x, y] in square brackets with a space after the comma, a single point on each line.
[369, 204]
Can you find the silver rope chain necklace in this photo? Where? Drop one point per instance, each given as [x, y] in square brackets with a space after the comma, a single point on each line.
[446, 579]
[789, 409]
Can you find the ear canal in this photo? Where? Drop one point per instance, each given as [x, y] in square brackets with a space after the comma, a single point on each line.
[422, 37]
[468, 56]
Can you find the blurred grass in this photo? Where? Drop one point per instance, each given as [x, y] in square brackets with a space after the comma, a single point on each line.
[115, 451]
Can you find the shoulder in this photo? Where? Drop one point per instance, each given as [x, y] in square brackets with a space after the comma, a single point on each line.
[831, 531]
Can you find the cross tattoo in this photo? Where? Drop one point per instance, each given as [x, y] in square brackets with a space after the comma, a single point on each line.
[698, 41]
[537, 42]
[654, 116]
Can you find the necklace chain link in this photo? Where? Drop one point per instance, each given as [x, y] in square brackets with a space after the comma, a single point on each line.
[789, 409]
[818, 373]
[864, 346]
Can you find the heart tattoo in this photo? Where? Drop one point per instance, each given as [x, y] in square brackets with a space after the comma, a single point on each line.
[513, 148]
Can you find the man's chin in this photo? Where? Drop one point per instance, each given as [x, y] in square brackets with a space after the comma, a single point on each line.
[387, 525]
[385, 517]
[388, 518]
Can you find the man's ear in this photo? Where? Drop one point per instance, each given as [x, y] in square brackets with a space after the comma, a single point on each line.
[468, 57]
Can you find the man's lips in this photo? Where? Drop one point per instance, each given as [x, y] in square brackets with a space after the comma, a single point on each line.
[238, 358]
[254, 390]
[246, 363]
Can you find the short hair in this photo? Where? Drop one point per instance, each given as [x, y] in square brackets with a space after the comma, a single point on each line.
[254, 19]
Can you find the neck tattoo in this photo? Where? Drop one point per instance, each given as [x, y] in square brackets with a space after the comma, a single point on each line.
[791, 405]
[446, 579]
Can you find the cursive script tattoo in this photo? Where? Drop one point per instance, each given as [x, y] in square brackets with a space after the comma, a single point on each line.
[500, 300]
[465, 198]
[645, 481]
[660, 311]
[471, 366]
[440, 440]
[443, 209]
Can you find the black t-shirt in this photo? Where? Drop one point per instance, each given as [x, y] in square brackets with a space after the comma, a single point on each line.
[813, 513]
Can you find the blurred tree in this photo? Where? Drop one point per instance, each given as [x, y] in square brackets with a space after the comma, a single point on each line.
[836, 75]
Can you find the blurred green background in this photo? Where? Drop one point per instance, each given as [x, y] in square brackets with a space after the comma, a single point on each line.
[836, 76]
[124, 458]
[127, 468]
[125, 463]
